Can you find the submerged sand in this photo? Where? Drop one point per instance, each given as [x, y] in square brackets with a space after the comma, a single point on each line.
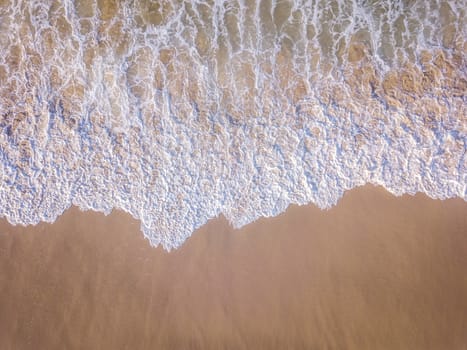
[374, 272]
[175, 111]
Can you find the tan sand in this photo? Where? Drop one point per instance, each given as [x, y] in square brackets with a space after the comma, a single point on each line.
[375, 272]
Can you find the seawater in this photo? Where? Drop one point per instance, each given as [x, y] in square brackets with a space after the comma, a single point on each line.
[179, 111]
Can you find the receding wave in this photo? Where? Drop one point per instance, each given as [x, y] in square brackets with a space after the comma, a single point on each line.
[178, 111]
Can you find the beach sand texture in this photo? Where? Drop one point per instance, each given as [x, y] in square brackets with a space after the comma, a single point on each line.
[374, 272]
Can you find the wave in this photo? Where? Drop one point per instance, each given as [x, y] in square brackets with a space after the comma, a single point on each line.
[179, 111]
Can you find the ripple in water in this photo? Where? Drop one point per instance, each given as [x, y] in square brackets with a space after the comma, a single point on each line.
[178, 111]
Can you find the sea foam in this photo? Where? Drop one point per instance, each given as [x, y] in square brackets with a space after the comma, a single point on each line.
[179, 111]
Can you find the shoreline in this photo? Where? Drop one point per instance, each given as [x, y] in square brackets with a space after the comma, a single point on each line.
[375, 271]
[119, 211]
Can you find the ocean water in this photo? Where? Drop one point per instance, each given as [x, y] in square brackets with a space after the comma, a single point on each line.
[179, 111]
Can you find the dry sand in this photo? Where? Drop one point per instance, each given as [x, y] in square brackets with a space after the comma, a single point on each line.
[374, 272]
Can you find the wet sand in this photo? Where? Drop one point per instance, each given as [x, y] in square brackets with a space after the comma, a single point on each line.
[374, 272]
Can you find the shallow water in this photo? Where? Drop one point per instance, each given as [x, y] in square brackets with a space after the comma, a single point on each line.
[177, 111]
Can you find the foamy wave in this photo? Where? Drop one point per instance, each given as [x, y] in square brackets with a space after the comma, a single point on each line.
[178, 111]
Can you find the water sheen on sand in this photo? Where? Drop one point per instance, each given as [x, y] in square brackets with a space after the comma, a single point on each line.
[177, 111]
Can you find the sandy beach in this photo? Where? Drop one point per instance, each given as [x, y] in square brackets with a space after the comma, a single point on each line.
[374, 272]
[175, 111]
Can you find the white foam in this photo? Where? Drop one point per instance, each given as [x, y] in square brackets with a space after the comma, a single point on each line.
[104, 124]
